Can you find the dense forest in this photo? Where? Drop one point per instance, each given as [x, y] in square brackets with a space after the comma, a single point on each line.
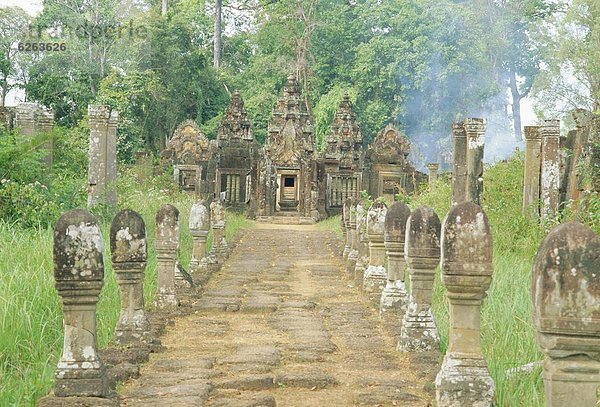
[418, 63]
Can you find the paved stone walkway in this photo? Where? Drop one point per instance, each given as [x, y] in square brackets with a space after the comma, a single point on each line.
[279, 324]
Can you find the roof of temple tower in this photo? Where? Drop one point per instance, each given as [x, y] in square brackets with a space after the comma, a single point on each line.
[188, 145]
[235, 123]
[291, 133]
[389, 147]
[344, 140]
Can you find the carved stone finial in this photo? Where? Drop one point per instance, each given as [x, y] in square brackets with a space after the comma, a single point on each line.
[129, 251]
[167, 246]
[79, 275]
[394, 293]
[375, 275]
[419, 332]
[566, 314]
[466, 260]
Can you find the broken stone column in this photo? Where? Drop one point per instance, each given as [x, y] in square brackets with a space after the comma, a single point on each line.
[362, 259]
[433, 172]
[531, 177]
[102, 170]
[344, 232]
[419, 332]
[353, 253]
[375, 275]
[394, 293]
[79, 275]
[475, 129]
[459, 171]
[466, 261]
[46, 125]
[346, 218]
[26, 119]
[550, 169]
[167, 246]
[128, 253]
[199, 228]
[566, 314]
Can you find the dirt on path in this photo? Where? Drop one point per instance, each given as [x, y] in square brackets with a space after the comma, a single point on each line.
[280, 324]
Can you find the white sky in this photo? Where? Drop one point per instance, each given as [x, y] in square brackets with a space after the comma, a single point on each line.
[33, 7]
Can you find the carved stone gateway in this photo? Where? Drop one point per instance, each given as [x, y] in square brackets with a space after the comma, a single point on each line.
[192, 156]
[466, 261]
[167, 246]
[419, 332]
[387, 170]
[394, 293]
[79, 275]
[287, 172]
[566, 314]
[128, 252]
[102, 170]
[375, 275]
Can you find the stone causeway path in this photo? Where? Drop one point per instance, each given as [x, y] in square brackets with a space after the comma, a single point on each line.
[281, 324]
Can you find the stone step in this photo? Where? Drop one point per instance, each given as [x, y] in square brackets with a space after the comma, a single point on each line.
[286, 220]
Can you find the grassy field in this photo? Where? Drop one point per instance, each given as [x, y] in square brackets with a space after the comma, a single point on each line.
[31, 332]
[508, 336]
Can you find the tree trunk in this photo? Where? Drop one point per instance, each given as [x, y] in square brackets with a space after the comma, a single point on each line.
[218, 32]
[164, 7]
[516, 105]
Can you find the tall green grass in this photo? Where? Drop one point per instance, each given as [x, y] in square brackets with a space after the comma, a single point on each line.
[31, 332]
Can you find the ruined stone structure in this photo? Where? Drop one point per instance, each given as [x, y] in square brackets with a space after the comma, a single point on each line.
[7, 117]
[192, 155]
[32, 118]
[236, 158]
[102, 170]
[394, 294]
[533, 163]
[466, 262]
[433, 172]
[387, 171]
[128, 253]
[550, 171]
[79, 275]
[167, 246]
[288, 177]
[467, 180]
[340, 169]
[566, 314]
[419, 332]
[375, 274]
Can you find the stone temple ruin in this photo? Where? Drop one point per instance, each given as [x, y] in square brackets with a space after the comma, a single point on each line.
[288, 176]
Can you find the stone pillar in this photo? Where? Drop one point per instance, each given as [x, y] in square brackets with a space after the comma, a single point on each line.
[218, 250]
[79, 275]
[466, 261]
[419, 332]
[375, 275]
[344, 232]
[46, 125]
[167, 246]
[27, 118]
[102, 170]
[199, 228]
[459, 171]
[347, 236]
[550, 170]
[394, 293]
[433, 172]
[475, 129]
[353, 253]
[566, 314]
[362, 260]
[531, 178]
[128, 253]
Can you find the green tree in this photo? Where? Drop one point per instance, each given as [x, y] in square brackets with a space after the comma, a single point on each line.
[13, 28]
